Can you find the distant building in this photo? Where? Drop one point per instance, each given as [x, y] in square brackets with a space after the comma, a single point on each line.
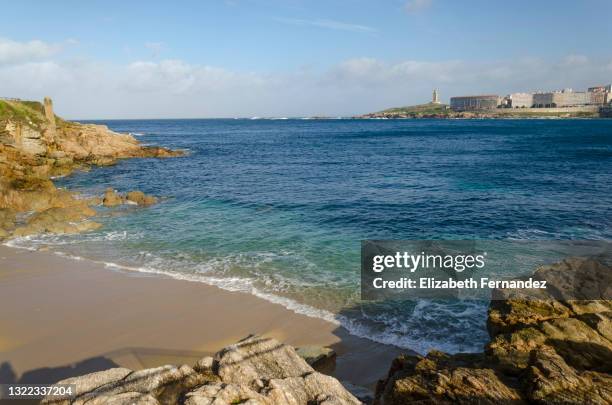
[564, 98]
[600, 89]
[519, 100]
[597, 98]
[483, 102]
[436, 97]
[599, 95]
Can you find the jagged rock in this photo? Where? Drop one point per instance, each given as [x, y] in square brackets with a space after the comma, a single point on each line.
[159, 152]
[90, 382]
[258, 357]
[111, 198]
[204, 365]
[510, 352]
[560, 350]
[310, 388]
[165, 384]
[580, 345]
[140, 198]
[551, 380]
[589, 306]
[600, 322]
[126, 398]
[442, 379]
[59, 220]
[223, 394]
[513, 313]
[102, 161]
[576, 278]
[255, 370]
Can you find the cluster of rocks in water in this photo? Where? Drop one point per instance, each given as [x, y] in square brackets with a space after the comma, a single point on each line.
[542, 351]
[36, 146]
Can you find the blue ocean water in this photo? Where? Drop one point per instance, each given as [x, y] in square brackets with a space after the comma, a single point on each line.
[278, 208]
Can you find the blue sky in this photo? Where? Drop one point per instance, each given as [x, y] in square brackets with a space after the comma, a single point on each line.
[293, 57]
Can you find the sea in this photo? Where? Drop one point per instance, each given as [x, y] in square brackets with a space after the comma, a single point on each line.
[278, 208]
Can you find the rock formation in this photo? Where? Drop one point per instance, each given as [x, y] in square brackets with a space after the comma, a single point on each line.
[35, 145]
[541, 350]
[256, 371]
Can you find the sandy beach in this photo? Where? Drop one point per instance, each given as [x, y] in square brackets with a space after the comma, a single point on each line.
[62, 317]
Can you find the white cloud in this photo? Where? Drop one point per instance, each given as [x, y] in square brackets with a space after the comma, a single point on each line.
[415, 6]
[12, 52]
[575, 60]
[329, 24]
[176, 88]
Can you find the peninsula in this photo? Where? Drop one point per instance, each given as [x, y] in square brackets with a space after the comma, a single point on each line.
[37, 146]
[566, 103]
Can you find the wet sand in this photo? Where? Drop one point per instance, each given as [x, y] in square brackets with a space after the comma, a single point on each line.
[61, 317]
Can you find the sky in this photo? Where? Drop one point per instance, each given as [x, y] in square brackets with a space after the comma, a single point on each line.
[292, 58]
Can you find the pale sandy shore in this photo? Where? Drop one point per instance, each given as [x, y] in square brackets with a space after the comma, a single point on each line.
[61, 317]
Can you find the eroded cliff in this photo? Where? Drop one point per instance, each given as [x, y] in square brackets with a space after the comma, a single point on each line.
[35, 146]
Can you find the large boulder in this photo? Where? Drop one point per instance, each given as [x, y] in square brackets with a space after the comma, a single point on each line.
[255, 370]
[550, 379]
[258, 357]
[111, 198]
[544, 348]
[59, 220]
[140, 198]
[439, 378]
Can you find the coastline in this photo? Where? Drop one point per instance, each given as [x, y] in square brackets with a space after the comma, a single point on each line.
[66, 317]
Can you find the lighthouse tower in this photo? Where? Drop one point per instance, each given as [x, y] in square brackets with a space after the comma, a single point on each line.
[436, 97]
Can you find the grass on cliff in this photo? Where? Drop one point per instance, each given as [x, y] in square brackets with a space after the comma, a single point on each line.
[420, 109]
[25, 112]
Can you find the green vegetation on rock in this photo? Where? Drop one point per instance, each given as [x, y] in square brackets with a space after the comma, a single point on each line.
[425, 109]
[26, 112]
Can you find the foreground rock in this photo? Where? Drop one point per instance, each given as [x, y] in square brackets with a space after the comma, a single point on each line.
[541, 351]
[255, 370]
[35, 146]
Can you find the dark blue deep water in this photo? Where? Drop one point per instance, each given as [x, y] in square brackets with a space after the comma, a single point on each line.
[277, 208]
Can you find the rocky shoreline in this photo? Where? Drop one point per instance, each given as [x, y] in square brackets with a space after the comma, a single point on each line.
[35, 147]
[549, 350]
[542, 351]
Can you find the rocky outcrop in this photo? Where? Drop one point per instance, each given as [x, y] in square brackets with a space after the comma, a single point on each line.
[542, 350]
[256, 370]
[140, 198]
[35, 146]
[112, 198]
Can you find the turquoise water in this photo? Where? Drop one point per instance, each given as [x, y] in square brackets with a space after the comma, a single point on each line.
[278, 208]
